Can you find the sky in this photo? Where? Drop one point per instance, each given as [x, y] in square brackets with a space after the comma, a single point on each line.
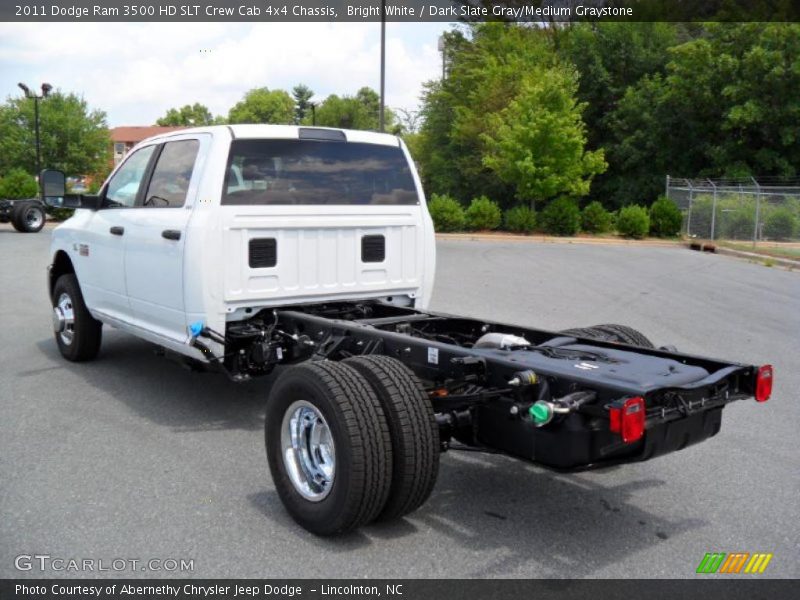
[135, 72]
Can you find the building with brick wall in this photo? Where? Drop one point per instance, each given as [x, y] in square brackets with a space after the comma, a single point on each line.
[125, 138]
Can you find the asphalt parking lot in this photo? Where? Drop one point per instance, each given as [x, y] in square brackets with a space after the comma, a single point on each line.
[133, 457]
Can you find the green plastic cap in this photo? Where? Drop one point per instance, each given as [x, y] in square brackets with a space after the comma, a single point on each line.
[541, 413]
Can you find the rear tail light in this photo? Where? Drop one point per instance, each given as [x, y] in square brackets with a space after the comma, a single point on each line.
[764, 383]
[627, 418]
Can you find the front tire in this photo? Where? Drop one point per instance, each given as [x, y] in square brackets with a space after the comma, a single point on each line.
[328, 447]
[28, 217]
[77, 333]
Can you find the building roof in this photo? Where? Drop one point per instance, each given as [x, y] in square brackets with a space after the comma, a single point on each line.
[138, 133]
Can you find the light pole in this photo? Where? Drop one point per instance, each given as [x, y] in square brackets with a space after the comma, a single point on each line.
[383, 65]
[442, 49]
[46, 87]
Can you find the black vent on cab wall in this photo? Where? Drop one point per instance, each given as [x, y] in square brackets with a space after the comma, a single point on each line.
[373, 248]
[263, 253]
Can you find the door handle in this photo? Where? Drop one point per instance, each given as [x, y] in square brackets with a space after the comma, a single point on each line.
[116, 230]
[171, 234]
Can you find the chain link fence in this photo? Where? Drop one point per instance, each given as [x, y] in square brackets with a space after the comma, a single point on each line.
[751, 210]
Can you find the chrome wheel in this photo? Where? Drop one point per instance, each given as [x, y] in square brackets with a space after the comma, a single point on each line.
[309, 454]
[64, 319]
[34, 218]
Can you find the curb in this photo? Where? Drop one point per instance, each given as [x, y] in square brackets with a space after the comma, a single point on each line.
[546, 239]
[709, 247]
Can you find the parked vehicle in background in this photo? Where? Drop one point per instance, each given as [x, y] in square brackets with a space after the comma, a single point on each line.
[27, 216]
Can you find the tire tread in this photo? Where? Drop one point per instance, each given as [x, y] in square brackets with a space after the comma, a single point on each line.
[415, 435]
[368, 436]
[88, 330]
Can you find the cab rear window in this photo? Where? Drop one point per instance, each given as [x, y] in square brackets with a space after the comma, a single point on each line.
[317, 172]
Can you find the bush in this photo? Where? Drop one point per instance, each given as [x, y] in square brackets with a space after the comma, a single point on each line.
[780, 224]
[595, 218]
[446, 212]
[482, 213]
[665, 218]
[561, 217]
[18, 184]
[520, 219]
[633, 221]
[740, 225]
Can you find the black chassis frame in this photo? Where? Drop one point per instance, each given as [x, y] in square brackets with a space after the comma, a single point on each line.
[475, 402]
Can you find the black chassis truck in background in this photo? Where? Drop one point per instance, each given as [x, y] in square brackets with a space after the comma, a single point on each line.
[27, 216]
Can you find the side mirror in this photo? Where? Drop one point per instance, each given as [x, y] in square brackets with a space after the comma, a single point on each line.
[54, 192]
[54, 186]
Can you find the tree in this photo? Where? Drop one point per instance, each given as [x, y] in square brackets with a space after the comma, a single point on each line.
[762, 114]
[260, 105]
[74, 138]
[611, 58]
[538, 142]
[302, 95]
[485, 65]
[728, 105]
[409, 120]
[355, 112]
[190, 115]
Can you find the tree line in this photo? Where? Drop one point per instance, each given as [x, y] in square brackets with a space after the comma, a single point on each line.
[603, 111]
[529, 114]
[263, 105]
[75, 138]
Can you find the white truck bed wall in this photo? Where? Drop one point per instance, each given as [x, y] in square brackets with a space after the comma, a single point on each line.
[319, 252]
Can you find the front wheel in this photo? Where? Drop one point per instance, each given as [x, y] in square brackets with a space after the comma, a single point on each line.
[328, 447]
[28, 217]
[78, 334]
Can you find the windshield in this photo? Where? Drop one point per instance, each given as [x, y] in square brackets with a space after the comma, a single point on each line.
[317, 172]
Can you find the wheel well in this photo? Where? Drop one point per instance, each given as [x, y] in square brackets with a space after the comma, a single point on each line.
[62, 265]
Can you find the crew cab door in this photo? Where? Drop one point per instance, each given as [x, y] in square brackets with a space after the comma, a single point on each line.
[100, 246]
[156, 238]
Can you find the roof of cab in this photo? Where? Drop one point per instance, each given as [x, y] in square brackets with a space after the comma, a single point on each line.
[284, 132]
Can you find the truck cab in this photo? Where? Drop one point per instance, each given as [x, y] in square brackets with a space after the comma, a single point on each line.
[214, 224]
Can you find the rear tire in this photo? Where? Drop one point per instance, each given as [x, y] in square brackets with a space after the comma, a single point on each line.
[78, 334]
[28, 217]
[414, 433]
[328, 447]
[619, 334]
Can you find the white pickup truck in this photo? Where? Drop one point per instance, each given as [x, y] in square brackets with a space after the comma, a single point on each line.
[243, 248]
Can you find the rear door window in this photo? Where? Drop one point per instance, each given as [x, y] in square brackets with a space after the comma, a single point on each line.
[317, 172]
